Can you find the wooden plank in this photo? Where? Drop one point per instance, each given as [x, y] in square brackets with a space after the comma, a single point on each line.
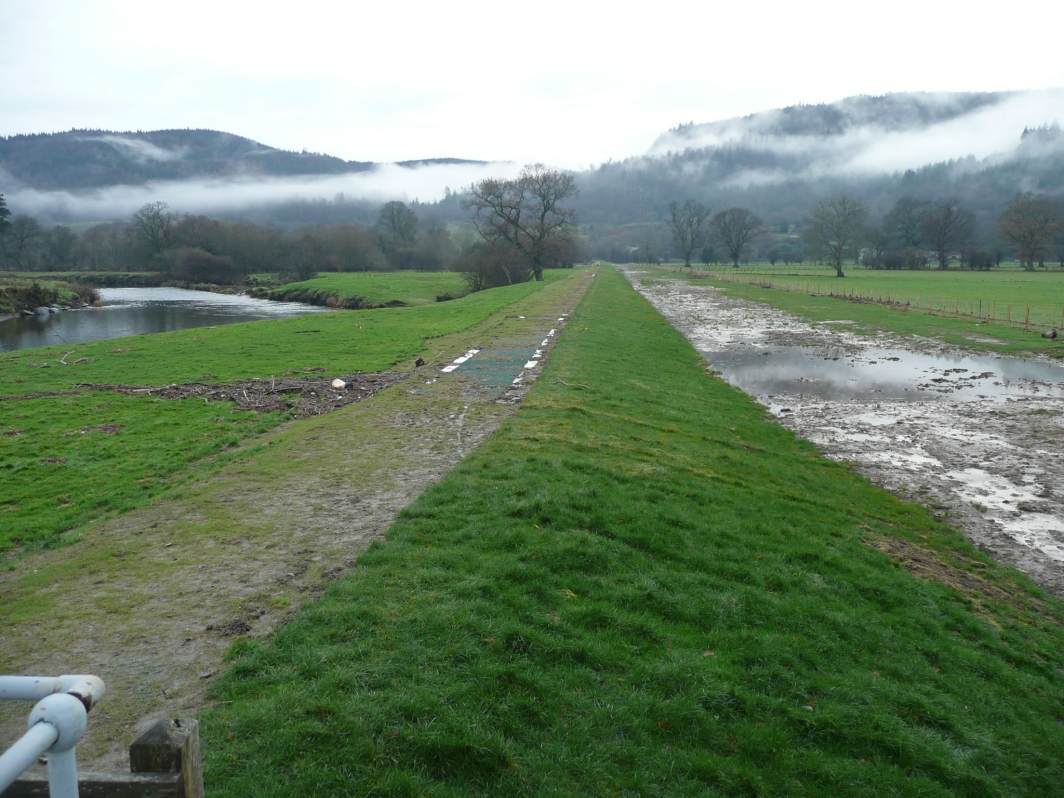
[105, 785]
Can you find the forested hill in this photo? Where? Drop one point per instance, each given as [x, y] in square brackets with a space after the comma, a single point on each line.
[82, 159]
[885, 113]
[981, 147]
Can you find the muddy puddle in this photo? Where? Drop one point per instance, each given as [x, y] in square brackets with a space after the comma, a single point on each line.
[978, 439]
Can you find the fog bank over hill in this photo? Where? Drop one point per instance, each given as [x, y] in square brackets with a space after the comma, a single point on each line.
[255, 195]
[94, 175]
[864, 135]
[980, 147]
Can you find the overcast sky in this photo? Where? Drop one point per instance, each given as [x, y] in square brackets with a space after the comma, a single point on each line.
[569, 83]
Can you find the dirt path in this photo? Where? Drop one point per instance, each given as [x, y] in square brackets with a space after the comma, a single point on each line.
[903, 413]
[152, 600]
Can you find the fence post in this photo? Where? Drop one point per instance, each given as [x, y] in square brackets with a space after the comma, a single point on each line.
[170, 746]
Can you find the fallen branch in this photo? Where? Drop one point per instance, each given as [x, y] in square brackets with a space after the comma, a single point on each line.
[64, 357]
[573, 385]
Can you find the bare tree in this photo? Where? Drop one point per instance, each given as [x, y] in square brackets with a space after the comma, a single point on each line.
[879, 240]
[525, 214]
[836, 229]
[904, 220]
[686, 222]
[60, 244]
[734, 229]
[1031, 222]
[396, 227]
[23, 240]
[152, 224]
[947, 226]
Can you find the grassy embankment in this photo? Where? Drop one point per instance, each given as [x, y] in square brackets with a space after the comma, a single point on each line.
[69, 459]
[643, 585]
[996, 290]
[29, 292]
[370, 289]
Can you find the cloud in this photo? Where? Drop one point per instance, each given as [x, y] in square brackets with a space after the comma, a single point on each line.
[138, 149]
[385, 182]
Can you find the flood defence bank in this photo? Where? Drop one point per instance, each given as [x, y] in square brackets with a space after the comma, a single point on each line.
[979, 439]
[151, 600]
[642, 584]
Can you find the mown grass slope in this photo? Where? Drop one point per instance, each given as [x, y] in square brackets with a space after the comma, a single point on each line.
[642, 585]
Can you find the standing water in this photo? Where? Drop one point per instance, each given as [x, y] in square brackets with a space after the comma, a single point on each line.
[978, 438]
[133, 311]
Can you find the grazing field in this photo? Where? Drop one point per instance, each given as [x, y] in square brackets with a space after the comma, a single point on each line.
[70, 458]
[1021, 289]
[372, 289]
[971, 333]
[642, 585]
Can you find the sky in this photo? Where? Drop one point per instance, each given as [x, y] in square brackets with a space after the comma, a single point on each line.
[570, 84]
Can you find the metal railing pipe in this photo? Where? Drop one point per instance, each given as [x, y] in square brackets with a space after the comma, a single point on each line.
[33, 744]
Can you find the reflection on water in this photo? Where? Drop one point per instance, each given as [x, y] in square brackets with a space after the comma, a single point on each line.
[133, 311]
[830, 373]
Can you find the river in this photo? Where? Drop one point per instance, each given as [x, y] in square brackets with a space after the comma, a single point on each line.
[134, 311]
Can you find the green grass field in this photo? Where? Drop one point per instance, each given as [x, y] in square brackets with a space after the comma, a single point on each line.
[971, 333]
[643, 585]
[375, 288]
[1038, 290]
[57, 478]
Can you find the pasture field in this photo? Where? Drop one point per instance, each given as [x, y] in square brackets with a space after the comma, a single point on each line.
[808, 297]
[70, 458]
[373, 289]
[643, 585]
[1038, 290]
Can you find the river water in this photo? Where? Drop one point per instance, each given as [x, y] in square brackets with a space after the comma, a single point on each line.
[133, 311]
[977, 438]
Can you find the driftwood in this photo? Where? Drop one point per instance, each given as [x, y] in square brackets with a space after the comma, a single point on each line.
[307, 396]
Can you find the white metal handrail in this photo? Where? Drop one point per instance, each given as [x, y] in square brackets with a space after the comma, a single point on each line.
[56, 724]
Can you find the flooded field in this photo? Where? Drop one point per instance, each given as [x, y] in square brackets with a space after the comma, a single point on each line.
[979, 439]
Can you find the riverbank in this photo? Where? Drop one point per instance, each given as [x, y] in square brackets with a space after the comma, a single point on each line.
[367, 290]
[19, 295]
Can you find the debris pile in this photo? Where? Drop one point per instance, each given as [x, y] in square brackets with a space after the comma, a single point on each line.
[307, 396]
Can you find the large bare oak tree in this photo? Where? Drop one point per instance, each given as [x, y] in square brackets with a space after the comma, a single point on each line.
[526, 214]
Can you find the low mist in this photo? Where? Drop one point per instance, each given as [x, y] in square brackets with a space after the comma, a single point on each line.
[234, 194]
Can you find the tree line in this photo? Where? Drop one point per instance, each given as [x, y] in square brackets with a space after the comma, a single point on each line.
[913, 234]
[519, 227]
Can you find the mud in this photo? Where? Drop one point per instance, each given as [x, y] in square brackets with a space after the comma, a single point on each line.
[977, 439]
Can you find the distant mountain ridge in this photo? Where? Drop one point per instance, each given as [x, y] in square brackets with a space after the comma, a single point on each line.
[87, 159]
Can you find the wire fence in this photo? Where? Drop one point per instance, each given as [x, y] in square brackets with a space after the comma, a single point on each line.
[1010, 314]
